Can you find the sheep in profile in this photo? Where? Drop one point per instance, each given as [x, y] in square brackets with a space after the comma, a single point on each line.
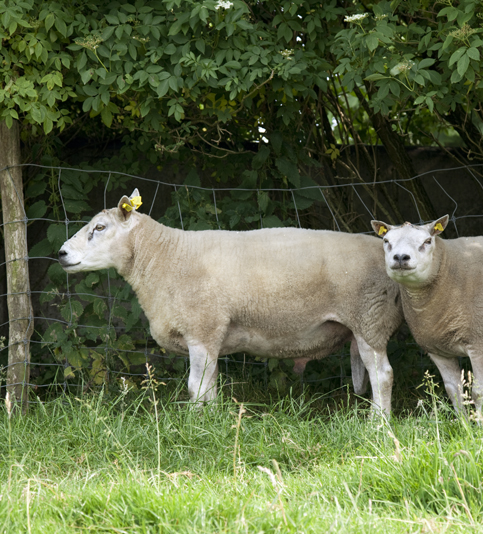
[442, 297]
[277, 293]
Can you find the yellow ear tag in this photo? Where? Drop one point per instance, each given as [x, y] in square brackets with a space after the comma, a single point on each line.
[439, 227]
[382, 230]
[135, 203]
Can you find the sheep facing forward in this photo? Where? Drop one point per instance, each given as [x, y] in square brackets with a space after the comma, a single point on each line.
[442, 297]
[277, 293]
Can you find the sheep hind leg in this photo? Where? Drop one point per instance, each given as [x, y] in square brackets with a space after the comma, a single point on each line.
[203, 374]
[450, 371]
[380, 376]
[477, 386]
[360, 376]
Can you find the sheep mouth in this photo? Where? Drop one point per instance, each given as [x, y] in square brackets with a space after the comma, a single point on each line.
[399, 268]
[68, 266]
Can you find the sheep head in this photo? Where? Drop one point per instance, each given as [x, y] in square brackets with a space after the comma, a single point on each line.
[96, 245]
[409, 249]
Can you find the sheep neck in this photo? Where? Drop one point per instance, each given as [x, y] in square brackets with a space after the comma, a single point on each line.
[150, 248]
[418, 295]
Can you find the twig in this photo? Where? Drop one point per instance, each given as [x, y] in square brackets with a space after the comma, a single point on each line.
[254, 91]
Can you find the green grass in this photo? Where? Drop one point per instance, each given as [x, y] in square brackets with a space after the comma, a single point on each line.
[129, 465]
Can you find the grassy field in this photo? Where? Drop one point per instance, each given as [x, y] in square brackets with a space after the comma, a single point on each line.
[133, 464]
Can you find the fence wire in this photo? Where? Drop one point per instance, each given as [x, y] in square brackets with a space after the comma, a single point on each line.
[122, 350]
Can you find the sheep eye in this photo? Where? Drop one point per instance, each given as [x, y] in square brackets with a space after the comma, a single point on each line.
[428, 241]
[385, 241]
[100, 227]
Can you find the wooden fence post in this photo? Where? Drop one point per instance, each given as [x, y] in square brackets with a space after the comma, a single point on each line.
[20, 314]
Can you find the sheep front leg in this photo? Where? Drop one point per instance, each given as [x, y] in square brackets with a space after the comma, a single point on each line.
[451, 373]
[476, 358]
[380, 376]
[360, 377]
[203, 374]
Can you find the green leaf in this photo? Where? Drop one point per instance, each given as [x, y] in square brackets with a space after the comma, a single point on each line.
[48, 125]
[263, 200]
[455, 77]
[302, 203]
[112, 19]
[81, 61]
[125, 342]
[232, 65]
[173, 83]
[375, 77]
[456, 55]
[419, 79]
[6, 18]
[395, 87]
[86, 76]
[107, 32]
[37, 186]
[60, 26]
[119, 311]
[41, 250]
[76, 206]
[276, 139]
[435, 77]
[427, 62]
[288, 169]
[77, 359]
[106, 117]
[474, 53]
[463, 64]
[162, 88]
[447, 42]
[170, 49]
[284, 32]
[72, 191]
[72, 310]
[91, 279]
[312, 193]
[234, 220]
[37, 210]
[49, 21]
[372, 42]
[272, 221]
[383, 91]
[100, 307]
[84, 292]
[250, 178]
[54, 334]
[68, 372]
[133, 358]
[451, 12]
[133, 317]
[192, 178]
[56, 234]
[260, 158]
[119, 33]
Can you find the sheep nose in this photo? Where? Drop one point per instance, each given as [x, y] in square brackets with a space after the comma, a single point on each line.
[401, 258]
[62, 253]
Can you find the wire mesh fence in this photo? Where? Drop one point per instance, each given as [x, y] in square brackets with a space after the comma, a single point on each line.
[89, 330]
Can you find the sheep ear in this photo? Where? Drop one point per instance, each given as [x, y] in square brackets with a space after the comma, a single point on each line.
[380, 227]
[124, 208]
[436, 227]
